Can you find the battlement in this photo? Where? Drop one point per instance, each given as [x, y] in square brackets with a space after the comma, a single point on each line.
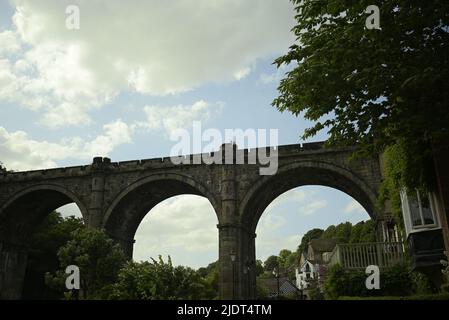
[71, 171]
[100, 163]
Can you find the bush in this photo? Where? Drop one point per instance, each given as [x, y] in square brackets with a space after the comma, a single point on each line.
[340, 282]
[159, 280]
[98, 258]
[395, 281]
[422, 284]
[261, 292]
[316, 294]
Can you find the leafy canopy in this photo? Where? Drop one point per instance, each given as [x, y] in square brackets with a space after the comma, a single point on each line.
[53, 233]
[315, 233]
[98, 258]
[160, 280]
[271, 263]
[371, 87]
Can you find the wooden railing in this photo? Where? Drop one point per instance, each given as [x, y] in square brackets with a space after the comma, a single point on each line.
[361, 255]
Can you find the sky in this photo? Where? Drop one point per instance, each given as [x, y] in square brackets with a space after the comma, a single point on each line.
[130, 76]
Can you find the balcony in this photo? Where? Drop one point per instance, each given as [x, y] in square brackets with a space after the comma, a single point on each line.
[356, 256]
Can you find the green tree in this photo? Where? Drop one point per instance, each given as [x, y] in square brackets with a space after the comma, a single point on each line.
[205, 271]
[259, 268]
[158, 280]
[399, 171]
[363, 231]
[53, 233]
[343, 232]
[356, 232]
[288, 261]
[211, 281]
[271, 263]
[368, 232]
[311, 234]
[261, 291]
[374, 88]
[329, 233]
[283, 257]
[98, 258]
[292, 260]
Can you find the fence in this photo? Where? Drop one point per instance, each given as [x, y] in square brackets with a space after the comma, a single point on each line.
[361, 255]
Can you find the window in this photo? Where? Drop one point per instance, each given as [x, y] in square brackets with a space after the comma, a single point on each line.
[419, 210]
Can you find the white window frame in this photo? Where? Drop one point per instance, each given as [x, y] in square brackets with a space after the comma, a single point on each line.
[406, 212]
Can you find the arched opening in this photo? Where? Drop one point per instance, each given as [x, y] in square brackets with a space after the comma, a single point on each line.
[28, 242]
[131, 206]
[289, 177]
[183, 227]
[301, 174]
[289, 224]
[168, 216]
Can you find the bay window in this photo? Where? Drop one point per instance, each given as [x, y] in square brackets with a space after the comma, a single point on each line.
[419, 211]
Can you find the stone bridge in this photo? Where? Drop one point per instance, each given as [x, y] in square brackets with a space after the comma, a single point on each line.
[116, 196]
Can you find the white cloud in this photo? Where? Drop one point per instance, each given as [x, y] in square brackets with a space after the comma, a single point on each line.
[52, 80]
[20, 152]
[295, 197]
[70, 209]
[270, 221]
[277, 76]
[240, 74]
[151, 47]
[65, 114]
[353, 207]
[271, 236]
[274, 77]
[313, 207]
[170, 118]
[183, 227]
[115, 134]
[271, 244]
[9, 42]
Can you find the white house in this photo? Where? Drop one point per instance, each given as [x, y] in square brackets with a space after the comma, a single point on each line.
[304, 274]
[312, 267]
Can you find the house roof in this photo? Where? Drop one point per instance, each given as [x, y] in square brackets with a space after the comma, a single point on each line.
[307, 261]
[322, 245]
[288, 287]
[271, 285]
[303, 258]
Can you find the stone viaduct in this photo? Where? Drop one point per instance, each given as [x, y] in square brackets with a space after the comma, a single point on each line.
[116, 196]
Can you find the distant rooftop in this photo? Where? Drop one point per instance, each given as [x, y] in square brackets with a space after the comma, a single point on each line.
[322, 245]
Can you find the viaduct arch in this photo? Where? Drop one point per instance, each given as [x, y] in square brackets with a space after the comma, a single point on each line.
[116, 196]
[124, 215]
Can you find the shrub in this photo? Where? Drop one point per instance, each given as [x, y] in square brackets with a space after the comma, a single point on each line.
[395, 281]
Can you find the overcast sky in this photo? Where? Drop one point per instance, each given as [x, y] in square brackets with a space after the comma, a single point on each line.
[134, 72]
